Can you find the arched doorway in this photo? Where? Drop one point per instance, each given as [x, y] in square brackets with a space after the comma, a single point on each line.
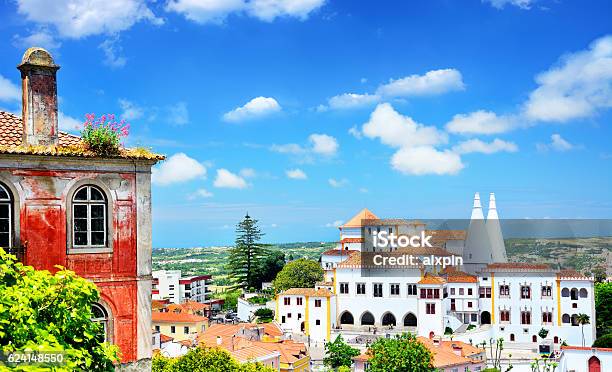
[347, 318]
[367, 319]
[302, 327]
[485, 317]
[388, 319]
[594, 364]
[410, 320]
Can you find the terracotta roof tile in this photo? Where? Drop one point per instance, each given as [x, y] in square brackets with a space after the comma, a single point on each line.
[163, 338]
[352, 240]
[338, 252]
[172, 317]
[571, 274]
[430, 279]
[454, 276]
[357, 220]
[11, 131]
[518, 266]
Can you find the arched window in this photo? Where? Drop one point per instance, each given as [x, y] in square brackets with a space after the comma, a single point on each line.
[511, 336]
[89, 217]
[565, 318]
[565, 292]
[6, 218]
[583, 293]
[410, 320]
[100, 316]
[534, 338]
[346, 318]
[367, 318]
[556, 340]
[388, 319]
[574, 293]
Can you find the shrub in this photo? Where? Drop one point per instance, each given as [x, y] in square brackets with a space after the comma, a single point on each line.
[604, 341]
[448, 331]
[103, 135]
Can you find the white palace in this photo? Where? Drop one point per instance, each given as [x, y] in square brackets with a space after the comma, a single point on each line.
[501, 299]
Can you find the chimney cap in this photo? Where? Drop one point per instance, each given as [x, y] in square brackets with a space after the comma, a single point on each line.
[39, 57]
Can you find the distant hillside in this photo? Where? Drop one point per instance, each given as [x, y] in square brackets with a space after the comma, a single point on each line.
[213, 260]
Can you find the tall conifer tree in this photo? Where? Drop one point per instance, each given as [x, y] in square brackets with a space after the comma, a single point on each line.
[246, 256]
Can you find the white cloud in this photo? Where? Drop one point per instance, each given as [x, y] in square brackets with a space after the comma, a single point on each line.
[433, 82]
[336, 223]
[229, 180]
[80, 18]
[42, 37]
[248, 172]
[289, 148]
[178, 168]
[578, 87]
[355, 132]
[363, 190]
[296, 174]
[216, 11]
[323, 144]
[500, 4]
[557, 143]
[200, 193]
[68, 123]
[479, 122]
[349, 101]
[131, 111]
[396, 130]
[8, 90]
[179, 114]
[337, 183]
[256, 108]
[112, 52]
[424, 160]
[476, 145]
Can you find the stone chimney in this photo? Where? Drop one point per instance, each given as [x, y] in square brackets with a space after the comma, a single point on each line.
[39, 98]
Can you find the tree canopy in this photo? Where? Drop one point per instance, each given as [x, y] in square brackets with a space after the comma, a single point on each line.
[202, 359]
[247, 255]
[271, 264]
[301, 273]
[338, 353]
[403, 353]
[603, 308]
[40, 311]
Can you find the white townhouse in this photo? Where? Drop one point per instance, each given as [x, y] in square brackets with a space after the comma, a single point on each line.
[501, 299]
[169, 285]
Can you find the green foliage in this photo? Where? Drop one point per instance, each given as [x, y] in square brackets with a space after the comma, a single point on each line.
[264, 312]
[103, 135]
[470, 327]
[543, 333]
[344, 369]
[448, 331]
[44, 312]
[603, 341]
[583, 319]
[301, 273]
[246, 257]
[404, 353]
[271, 264]
[543, 365]
[603, 308]
[259, 300]
[339, 354]
[204, 360]
[230, 299]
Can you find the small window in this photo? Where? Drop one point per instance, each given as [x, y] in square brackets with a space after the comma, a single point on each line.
[89, 218]
[344, 288]
[394, 289]
[377, 289]
[360, 288]
[317, 303]
[157, 328]
[172, 329]
[299, 301]
[186, 330]
[318, 322]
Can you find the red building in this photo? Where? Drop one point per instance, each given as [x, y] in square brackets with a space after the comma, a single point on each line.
[62, 205]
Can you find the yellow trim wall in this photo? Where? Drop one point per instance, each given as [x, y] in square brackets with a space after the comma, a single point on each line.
[328, 318]
[558, 302]
[276, 312]
[306, 321]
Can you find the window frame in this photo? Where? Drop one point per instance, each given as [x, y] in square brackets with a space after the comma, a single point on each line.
[108, 204]
[10, 203]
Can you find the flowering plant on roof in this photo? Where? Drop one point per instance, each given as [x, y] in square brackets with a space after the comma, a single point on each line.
[103, 135]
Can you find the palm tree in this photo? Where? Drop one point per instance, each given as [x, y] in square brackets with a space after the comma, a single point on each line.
[583, 319]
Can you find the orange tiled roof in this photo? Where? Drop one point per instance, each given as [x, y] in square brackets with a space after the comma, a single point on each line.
[163, 338]
[357, 220]
[604, 349]
[352, 240]
[290, 351]
[310, 292]
[187, 307]
[431, 279]
[252, 352]
[215, 330]
[455, 276]
[338, 252]
[517, 266]
[171, 317]
[571, 274]
[11, 131]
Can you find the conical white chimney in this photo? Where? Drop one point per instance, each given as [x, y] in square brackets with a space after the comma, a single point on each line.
[477, 209]
[498, 247]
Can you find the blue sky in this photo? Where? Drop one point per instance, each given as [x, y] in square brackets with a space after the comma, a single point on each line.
[302, 112]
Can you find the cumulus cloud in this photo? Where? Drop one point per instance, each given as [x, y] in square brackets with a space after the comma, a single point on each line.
[579, 86]
[336, 223]
[216, 11]
[179, 115]
[349, 101]
[476, 145]
[288, 148]
[500, 4]
[68, 123]
[80, 18]
[130, 110]
[229, 180]
[479, 122]
[432, 83]
[42, 37]
[422, 160]
[396, 130]
[557, 143]
[176, 169]
[248, 172]
[355, 132]
[8, 90]
[296, 174]
[323, 144]
[200, 193]
[256, 108]
[337, 183]
[113, 52]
